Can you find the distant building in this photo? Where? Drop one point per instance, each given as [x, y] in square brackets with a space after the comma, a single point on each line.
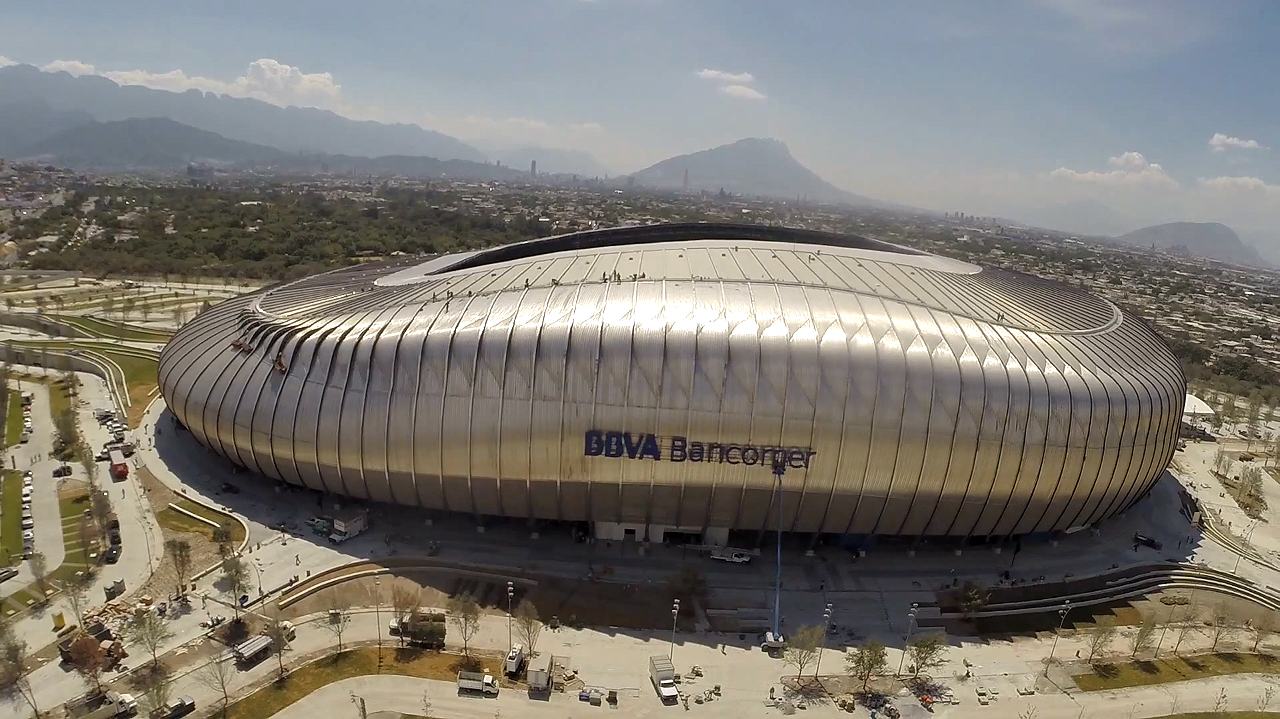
[533, 168]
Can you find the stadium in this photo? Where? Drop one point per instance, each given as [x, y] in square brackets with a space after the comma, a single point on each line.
[689, 382]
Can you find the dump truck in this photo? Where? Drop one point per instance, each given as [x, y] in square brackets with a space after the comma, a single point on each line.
[423, 629]
[477, 682]
[663, 675]
[98, 705]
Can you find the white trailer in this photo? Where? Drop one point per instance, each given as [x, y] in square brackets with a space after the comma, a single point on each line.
[514, 660]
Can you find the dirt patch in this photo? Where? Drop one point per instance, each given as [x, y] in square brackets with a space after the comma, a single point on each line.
[204, 552]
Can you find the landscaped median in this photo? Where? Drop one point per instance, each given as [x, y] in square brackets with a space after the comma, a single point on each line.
[13, 419]
[72, 501]
[410, 662]
[1174, 669]
[10, 517]
[180, 521]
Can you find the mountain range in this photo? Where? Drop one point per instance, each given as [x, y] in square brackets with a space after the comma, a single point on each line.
[752, 166]
[1212, 240]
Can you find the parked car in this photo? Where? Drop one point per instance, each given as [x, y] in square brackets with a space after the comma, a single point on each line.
[29, 523]
[112, 555]
[1146, 541]
[8, 573]
[230, 488]
[179, 707]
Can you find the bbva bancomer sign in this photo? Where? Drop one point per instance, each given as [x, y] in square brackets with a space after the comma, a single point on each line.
[642, 445]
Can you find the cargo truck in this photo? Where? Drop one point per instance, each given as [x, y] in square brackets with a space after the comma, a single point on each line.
[663, 675]
[421, 629]
[477, 682]
[252, 650]
[540, 680]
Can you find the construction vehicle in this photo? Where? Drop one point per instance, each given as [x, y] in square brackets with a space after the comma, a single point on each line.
[515, 660]
[477, 682]
[252, 650]
[663, 675]
[423, 629]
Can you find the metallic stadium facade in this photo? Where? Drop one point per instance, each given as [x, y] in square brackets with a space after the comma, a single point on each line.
[672, 377]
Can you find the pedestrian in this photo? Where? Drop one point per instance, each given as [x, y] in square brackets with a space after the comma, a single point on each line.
[770, 693]
[297, 560]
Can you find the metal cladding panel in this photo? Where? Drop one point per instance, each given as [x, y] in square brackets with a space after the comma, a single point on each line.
[656, 374]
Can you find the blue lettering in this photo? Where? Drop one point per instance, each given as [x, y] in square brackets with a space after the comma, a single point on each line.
[595, 443]
[613, 444]
[679, 449]
[649, 448]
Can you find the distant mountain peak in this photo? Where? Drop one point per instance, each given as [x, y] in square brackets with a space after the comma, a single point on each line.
[755, 166]
[1211, 240]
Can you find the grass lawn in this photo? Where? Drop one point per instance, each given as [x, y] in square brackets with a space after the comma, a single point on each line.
[179, 522]
[1175, 669]
[353, 663]
[13, 419]
[113, 330]
[10, 518]
[71, 502]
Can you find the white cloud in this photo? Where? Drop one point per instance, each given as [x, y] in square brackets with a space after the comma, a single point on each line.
[1131, 169]
[737, 78]
[265, 79]
[1221, 143]
[742, 92]
[5, 62]
[71, 67]
[733, 84]
[1240, 185]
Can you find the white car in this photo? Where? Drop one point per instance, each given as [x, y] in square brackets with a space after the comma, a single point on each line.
[28, 523]
[28, 536]
[733, 556]
[26, 493]
[26, 483]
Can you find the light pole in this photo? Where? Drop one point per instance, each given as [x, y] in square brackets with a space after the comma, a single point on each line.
[911, 625]
[1062, 620]
[778, 469]
[377, 615]
[511, 593]
[826, 625]
[675, 612]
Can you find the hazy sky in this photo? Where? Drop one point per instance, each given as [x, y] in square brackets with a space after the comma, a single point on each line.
[1156, 110]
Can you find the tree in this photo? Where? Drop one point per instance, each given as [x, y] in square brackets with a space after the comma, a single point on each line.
[1100, 637]
[972, 598]
[179, 550]
[406, 597]
[88, 659]
[14, 680]
[1143, 636]
[217, 676]
[927, 651]
[99, 509]
[156, 688]
[528, 625]
[802, 648]
[235, 575]
[339, 617]
[1221, 462]
[866, 661]
[1183, 626]
[1221, 626]
[150, 630]
[1264, 627]
[279, 638]
[39, 570]
[464, 614]
[75, 590]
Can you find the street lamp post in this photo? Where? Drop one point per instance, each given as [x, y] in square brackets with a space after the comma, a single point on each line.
[675, 612]
[911, 625]
[511, 593]
[377, 614]
[778, 469]
[826, 625]
[1062, 620]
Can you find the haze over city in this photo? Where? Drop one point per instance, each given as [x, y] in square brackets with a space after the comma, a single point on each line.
[1080, 115]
